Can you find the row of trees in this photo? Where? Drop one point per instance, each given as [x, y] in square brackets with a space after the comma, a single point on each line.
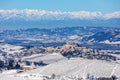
[89, 55]
[88, 77]
[11, 64]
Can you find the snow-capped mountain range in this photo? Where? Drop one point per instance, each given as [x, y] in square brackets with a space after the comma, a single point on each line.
[32, 14]
[41, 18]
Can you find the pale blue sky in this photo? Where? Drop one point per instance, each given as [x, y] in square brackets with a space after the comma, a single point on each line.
[105, 6]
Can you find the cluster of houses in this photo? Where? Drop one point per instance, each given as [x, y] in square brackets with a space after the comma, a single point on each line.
[74, 50]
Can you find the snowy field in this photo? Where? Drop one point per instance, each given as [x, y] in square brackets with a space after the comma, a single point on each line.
[46, 58]
[10, 48]
[64, 68]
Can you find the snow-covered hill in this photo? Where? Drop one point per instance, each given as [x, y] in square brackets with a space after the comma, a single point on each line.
[108, 37]
[69, 70]
[10, 48]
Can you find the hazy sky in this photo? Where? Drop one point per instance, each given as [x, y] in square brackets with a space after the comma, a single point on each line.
[105, 6]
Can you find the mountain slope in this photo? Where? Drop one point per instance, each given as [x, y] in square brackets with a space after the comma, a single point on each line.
[112, 36]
